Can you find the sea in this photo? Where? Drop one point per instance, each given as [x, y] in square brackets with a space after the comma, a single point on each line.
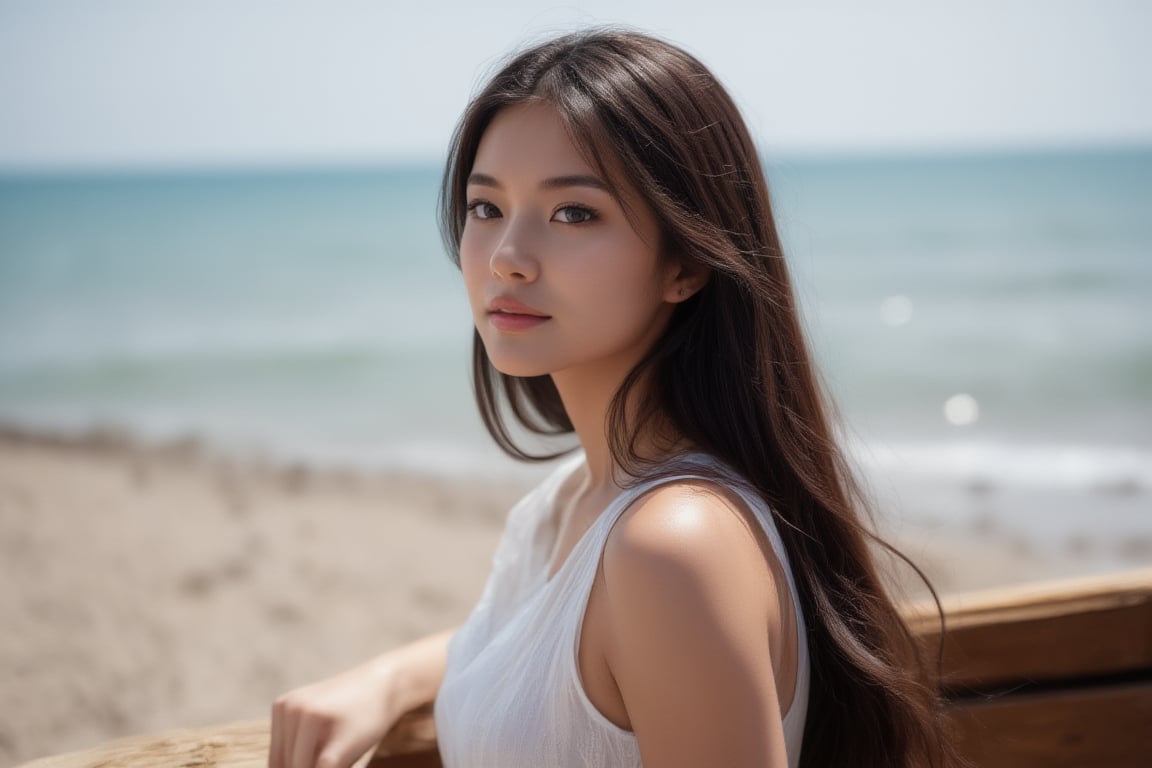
[983, 321]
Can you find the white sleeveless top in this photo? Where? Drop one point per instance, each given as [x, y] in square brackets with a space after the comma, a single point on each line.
[512, 695]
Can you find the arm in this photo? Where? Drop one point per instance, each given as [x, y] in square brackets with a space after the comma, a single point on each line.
[693, 617]
[335, 722]
[413, 673]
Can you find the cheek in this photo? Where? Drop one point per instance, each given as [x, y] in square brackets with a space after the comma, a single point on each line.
[617, 294]
[474, 270]
[624, 272]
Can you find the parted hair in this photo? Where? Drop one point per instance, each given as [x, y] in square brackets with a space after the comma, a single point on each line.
[732, 373]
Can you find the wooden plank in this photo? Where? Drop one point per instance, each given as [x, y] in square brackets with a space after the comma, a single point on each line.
[1057, 630]
[1107, 727]
[430, 759]
[238, 745]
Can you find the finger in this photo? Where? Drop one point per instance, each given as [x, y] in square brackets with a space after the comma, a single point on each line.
[304, 747]
[275, 753]
[335, 755]
[363, 761]
[290, 720]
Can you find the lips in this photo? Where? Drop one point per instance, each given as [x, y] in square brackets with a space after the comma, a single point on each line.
[505, 305]
[511, 316]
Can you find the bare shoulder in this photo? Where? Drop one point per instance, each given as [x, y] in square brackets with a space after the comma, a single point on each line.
[691, 529]
[691, 601]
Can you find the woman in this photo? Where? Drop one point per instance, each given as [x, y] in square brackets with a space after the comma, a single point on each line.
[695, 586]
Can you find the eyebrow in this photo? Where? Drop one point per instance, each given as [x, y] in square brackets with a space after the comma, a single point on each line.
[556, 182]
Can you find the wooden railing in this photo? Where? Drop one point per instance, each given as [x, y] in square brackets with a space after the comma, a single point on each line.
[1057, 675]
[1054, 674]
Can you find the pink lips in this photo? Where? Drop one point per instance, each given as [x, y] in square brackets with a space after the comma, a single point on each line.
[507, 314]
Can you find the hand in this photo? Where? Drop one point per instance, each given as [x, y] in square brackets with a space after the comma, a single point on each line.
[333, 723]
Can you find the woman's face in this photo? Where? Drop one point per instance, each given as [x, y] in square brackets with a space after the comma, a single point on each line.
[558, 278]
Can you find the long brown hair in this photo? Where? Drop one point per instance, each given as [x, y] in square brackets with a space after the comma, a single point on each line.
[732, 373]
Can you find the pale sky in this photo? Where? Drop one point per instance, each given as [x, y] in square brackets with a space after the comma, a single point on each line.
[158, 83]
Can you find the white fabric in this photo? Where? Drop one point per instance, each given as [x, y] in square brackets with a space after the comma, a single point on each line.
[511, 696]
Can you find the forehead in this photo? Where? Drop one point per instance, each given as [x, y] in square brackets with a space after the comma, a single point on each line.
[529, 140]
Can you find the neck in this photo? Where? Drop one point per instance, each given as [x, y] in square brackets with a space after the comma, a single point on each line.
[587, 398]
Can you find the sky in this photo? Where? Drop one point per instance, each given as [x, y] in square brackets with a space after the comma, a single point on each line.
[159, 83]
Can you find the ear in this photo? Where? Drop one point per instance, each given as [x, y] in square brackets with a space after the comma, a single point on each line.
[685, 280]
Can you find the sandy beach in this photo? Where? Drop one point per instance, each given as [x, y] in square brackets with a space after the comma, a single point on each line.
[152, 587]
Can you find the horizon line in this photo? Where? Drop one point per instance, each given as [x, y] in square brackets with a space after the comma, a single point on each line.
[422, 161]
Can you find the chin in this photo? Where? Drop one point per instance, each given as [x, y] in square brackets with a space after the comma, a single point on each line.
[520, 368]
[507, 362]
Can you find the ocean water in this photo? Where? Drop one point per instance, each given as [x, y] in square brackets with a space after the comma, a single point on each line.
[985, 322]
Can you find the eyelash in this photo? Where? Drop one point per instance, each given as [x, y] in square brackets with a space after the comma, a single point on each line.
[591, 214]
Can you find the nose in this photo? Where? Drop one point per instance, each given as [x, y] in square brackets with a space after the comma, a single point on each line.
[513, 258]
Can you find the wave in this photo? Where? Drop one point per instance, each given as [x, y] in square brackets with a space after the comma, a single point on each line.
[992, 464]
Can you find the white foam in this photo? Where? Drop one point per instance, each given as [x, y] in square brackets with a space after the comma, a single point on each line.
[1034, 466]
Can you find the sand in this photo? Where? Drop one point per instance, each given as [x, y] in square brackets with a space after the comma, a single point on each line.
[144, 588]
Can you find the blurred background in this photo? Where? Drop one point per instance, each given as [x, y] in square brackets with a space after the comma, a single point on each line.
[217, 219]
[217, 224]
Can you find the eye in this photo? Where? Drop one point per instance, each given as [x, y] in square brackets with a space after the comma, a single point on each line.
[482, 209]
[576, 214]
